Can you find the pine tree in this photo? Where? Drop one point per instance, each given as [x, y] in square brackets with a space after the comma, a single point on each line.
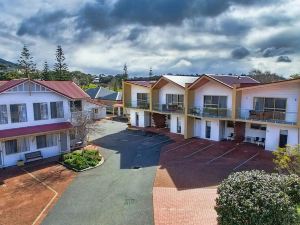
[46, 73]
[125, 71]
[26, 64]
[60, 67]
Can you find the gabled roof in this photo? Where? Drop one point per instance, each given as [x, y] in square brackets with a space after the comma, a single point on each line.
[66, 88]
[177, 80]
[104, 93]
[92, 92]
[227, 80]
[142, 83]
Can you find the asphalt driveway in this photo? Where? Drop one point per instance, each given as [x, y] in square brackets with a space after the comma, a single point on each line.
[117, 192]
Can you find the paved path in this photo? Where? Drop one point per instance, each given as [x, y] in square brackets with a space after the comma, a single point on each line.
[114, 193]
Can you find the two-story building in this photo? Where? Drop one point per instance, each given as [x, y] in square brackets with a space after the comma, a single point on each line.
[218, 107]
[40, 116]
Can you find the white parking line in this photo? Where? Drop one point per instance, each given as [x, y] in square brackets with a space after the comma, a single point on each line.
[243, 163]
[179, 146]
[220, 156]
[200, 150]
[47, 186]
[160, 143]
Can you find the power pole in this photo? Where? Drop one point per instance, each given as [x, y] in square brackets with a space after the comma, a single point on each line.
[125, 71]
[150, 72]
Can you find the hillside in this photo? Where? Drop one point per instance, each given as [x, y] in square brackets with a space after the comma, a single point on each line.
[6, 65]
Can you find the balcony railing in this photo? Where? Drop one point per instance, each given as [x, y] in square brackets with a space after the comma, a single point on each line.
[210, 112]
[268, 116]
[138, 104]
[174, 108]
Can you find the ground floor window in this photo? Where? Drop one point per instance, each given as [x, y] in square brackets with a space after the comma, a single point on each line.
[16, 146]
[45, 141]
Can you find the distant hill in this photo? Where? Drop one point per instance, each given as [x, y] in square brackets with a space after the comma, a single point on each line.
[6, 65]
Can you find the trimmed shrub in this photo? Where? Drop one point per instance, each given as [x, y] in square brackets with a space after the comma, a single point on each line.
[258, 198]
[82, 159]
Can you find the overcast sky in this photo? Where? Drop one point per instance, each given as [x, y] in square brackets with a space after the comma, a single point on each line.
[178, 36]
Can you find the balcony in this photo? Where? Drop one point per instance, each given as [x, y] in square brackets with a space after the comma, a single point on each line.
[138, 105]
[210, 112]
[268, 116]
[174, 108]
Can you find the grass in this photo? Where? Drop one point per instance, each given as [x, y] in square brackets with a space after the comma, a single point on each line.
[298, 209]
[82, 159]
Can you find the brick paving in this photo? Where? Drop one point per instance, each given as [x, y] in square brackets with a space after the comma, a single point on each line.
[184, 189]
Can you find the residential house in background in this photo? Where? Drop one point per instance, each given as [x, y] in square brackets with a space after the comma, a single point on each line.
[218, 107]
[41, 118]
[111, 99]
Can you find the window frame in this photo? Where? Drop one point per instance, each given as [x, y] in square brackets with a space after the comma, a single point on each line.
[3, 114]
[12, 117]
[57, 114]
[214, 104]
[268, 109]
[42, 111]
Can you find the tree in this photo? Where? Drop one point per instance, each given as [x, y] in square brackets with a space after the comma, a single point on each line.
[125, 71]
[46, 73]
[150, 72]
[295, 76]
[288, 159]
[265, 77]
[60, 67]
[26, 64]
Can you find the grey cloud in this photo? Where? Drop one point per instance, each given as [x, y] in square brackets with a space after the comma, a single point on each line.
[272, 51]
[284, 58]
[135, 33]
[240, 53]
[44, 24]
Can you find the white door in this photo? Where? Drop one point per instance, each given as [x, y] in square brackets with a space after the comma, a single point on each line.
[63, 142]
[1, 162]
[197, 131]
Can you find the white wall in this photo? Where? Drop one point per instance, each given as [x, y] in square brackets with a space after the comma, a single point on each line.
[249, 132]
[87, 106]
[29, 99]
[214, 89]
[11, 159]
[272, 136]
[215, 129]
[143, 118]
[169, 89]
[173, 123]
[137, 89]
[289, 91]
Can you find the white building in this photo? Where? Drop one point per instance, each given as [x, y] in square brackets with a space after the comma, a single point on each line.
[40, 117]
[218, 107]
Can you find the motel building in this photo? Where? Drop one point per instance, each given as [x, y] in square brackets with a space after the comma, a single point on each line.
[39, 119]
[218, 107]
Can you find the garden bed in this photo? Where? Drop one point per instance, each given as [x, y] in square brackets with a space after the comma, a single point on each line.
[82, 160]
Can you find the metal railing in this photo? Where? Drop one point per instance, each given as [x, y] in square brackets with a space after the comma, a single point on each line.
[268, 116]
[174, 108]
[138, 104]
[210, 112]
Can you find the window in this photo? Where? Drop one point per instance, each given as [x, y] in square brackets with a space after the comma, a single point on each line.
[18, 113]
[142, 98]
[16, 146]
[72, 134]
[57, 110]
[230, 124]
[76, 106]
[215, 102]
[257, 126]
[270, 104]
[174, 99]
[3, 114]
[45, 141]
[96, 111]
[40, 111]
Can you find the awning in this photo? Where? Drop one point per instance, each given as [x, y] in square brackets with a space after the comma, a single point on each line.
[25, 131]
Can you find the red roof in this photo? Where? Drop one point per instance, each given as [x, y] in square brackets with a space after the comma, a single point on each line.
[24, 131]
[66, 88]
[231, 80]
[141, 82]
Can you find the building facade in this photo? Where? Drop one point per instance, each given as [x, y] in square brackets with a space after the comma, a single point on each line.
[218, 107]
[41, 116]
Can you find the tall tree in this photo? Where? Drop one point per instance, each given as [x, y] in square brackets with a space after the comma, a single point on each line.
[125, 71]
[26, 64]
[45, 73]
[265, 77]
[295, 76]
[60, 67]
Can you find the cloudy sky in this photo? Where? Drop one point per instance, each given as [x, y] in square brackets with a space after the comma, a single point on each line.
[178, 36]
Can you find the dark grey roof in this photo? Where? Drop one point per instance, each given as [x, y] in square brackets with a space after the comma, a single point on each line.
[104, 93]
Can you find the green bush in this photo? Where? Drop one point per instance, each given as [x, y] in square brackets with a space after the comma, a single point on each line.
[258, 198]
[82, 159]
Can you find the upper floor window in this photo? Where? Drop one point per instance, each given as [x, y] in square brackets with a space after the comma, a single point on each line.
[57, 110]
[270, 104]
[219, 102]
[40, 111]
[18, 113]
[75, 105]
[16, 146]
[142, 99]
[174, 99]
[3, 114]
[45, 141]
